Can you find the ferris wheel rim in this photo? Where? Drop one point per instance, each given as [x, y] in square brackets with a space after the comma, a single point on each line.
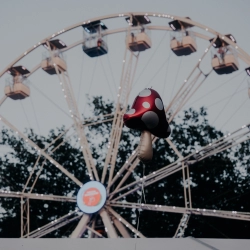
[127, 14]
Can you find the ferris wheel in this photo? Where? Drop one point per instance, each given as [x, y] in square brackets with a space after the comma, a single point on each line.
[57, 101]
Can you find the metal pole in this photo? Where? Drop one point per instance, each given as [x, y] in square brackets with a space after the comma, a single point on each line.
[81, 227]
[109, 228]
[121, 228]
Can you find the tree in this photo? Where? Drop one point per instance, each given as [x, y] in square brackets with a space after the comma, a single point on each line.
[217, 183]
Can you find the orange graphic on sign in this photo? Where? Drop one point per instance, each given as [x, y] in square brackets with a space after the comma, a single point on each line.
[91, 197]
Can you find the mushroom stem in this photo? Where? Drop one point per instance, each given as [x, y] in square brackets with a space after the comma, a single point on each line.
[145, 150]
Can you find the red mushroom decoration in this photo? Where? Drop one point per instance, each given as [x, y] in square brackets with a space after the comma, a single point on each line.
[147, 115]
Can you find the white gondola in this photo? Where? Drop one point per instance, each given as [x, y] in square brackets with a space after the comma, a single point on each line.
[49, 65]
[182, 40]
[95, 46]
[94, 42]
[224, 60]
[138, 40]
[17, 88]
[183, 43]
[53, 57]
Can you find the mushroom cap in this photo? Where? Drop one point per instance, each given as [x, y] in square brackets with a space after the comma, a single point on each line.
[147, 113]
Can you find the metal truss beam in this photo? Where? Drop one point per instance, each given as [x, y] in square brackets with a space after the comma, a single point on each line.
[182, 226]
[10, 194]
[25, 217]
[182, 210]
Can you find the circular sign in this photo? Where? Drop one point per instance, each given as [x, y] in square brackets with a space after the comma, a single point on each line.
[91, 197]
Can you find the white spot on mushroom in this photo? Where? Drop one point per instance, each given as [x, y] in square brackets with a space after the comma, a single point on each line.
[145, 93]
[150, 119]
[130, 112]
[158, 103]
[146, 105]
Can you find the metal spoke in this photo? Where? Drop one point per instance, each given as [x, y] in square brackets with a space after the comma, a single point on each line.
[126, 223]
[56, 227]
[94, 231]
[53, 225]
[132, 161]
[109, 228]
[128, 173]
[171, 144]
[81, 226]
[11, 194]
[98, 122]
[182, 210]
[121, 228]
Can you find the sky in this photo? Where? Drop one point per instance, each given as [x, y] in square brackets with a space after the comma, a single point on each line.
[26, 22]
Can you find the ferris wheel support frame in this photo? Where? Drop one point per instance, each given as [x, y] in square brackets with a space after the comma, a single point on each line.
[133, 161]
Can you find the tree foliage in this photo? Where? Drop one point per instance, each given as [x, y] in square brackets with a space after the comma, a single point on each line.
[218, 182]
